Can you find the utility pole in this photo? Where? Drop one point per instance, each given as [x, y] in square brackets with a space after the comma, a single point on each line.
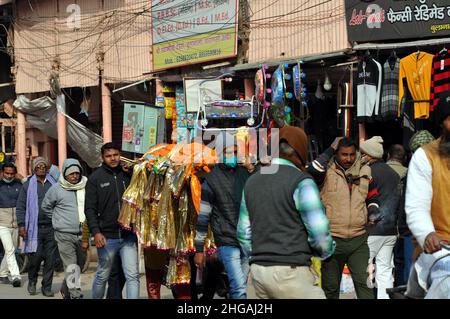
[106, 113]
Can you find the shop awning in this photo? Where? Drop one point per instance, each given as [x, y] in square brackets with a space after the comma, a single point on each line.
[396, 45]
[308, 58]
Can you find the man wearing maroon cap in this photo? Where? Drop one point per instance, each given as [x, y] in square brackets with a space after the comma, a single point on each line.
[282, 224]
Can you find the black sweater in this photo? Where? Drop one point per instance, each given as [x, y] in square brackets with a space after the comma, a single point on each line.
[387, 182]
[104, 191]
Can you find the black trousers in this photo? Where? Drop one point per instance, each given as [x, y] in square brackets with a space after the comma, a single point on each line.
[211, 282]
[45, 252]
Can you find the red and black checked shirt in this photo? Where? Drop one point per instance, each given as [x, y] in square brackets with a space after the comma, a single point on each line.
[440, 77]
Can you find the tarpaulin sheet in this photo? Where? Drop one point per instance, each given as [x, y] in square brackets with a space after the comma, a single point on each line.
[42, 112]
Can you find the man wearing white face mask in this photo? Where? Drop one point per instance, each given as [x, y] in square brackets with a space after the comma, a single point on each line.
[383, 235]
[9, 191]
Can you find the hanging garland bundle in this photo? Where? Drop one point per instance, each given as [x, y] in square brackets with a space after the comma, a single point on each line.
[162, 203]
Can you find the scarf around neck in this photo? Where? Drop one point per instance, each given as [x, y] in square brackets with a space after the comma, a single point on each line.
[32, 214]
[79, 188]
[353, 174]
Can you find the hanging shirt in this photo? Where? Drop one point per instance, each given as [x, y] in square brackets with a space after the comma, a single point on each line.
[368, 89]
[440, 77]
[417, 71]
[389, 99]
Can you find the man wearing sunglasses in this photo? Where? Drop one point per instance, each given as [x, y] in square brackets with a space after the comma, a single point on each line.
[36, 228]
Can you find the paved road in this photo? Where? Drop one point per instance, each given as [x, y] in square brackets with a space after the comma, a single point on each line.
[9, 292]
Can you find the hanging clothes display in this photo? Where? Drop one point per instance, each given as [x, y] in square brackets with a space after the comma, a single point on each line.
[368, 88]
[440, 76]
[416, 68]
[389, 98]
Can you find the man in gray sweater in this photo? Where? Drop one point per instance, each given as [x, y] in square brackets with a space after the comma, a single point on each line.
[64, 204]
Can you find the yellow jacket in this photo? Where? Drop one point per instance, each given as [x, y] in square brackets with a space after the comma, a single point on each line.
[417, 70]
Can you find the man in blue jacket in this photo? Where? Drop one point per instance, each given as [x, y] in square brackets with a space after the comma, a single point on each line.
[9, 191]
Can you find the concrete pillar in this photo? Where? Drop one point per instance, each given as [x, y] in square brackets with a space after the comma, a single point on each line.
[159, 88]
[362, 132]
[62, 138]
[106, 113]
[61, 125]
[249, 88]
[21, 145]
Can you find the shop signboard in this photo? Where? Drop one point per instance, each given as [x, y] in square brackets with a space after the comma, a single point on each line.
[376, 20]
[188, 32]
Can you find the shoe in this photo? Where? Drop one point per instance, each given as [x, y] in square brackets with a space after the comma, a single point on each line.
[47, 293]
[17, 282]
[76, 294]
[31, 288]
[5, 280]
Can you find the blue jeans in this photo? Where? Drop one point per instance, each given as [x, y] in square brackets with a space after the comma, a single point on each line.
[127, 249]
[408, 255]
[237, 268]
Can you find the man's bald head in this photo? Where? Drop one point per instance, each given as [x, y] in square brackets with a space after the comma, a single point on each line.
[397, 153]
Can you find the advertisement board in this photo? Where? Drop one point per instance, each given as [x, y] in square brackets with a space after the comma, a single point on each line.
[193, 31]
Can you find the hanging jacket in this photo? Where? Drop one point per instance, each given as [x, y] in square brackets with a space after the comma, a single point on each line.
[389, 98]
[368, 89]
[416, 69]
[440, 81]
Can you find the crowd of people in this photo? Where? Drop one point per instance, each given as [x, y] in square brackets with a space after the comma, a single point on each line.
[354, 205]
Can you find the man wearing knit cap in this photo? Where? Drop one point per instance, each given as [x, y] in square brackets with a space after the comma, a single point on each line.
[383, 235]
[419, 139]
[427, 208]
[64, 204]
[36, 228]
[350, 196]
[282, 224]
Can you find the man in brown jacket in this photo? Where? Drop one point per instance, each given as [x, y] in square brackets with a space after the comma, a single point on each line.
[350, 197]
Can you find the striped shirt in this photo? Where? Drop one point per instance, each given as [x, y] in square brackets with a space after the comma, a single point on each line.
[311, 211]
[440, 77]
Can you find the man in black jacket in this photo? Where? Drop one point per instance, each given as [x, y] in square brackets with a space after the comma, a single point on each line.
[383, 235]
[104, 192]
[219, 208]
